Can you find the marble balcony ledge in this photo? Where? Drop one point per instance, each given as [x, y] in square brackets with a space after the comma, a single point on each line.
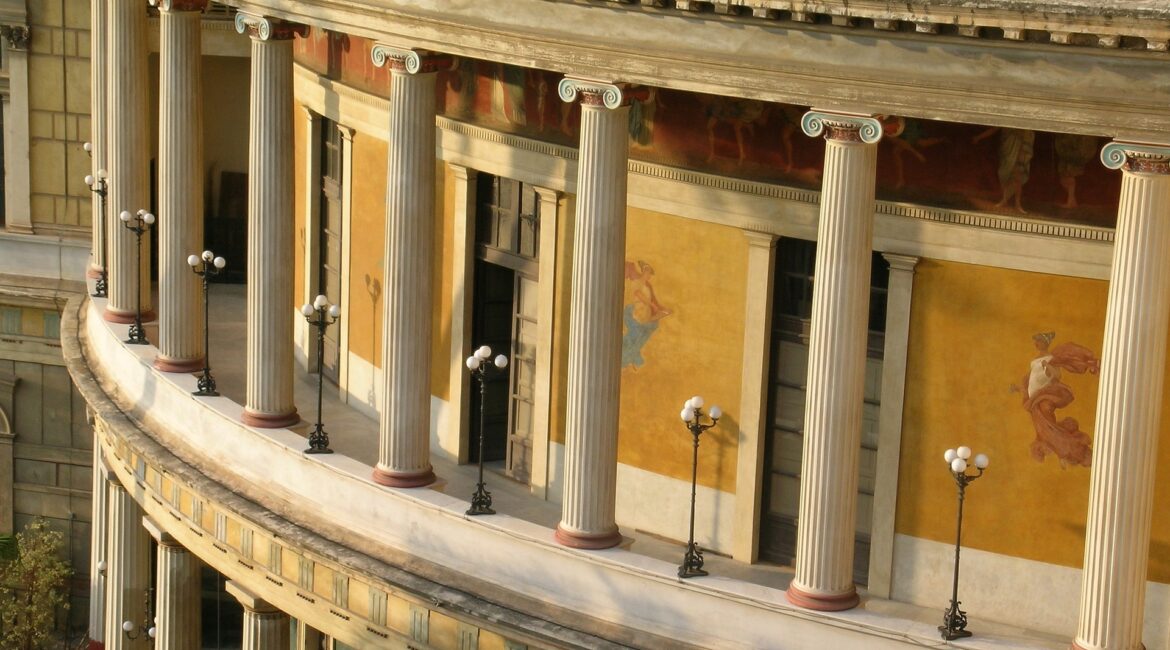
[333, 496]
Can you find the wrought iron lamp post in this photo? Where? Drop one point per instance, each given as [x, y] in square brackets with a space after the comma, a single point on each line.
[326, 314]
[954, 619]
[99, 186]
[206, 266]
[132, 631]
[481, 501]
[692, 416]
[138, 224]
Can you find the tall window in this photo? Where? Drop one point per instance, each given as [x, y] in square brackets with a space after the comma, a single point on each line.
[329, 238]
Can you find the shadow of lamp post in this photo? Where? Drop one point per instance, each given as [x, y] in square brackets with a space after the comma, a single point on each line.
[954, 619]
[692, 416]
[206, 266]
[481, 501]
[326, 315]
[138, 224]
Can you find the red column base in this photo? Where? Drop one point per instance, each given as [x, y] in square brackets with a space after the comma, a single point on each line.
[178, 365]
[95, 645]
[93, 272]
[127, 317]
[588, 541]
[270, 420]
[819, 603]
[404, 479]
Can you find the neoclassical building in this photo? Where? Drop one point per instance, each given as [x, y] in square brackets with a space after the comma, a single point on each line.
[869, 233]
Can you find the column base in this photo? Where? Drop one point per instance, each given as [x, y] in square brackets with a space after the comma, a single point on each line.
[126, 317]
[270, 420]
[178, 365]
[95, 645]
[93, 272]
[391, 478]
[823, 603]
[589, 541]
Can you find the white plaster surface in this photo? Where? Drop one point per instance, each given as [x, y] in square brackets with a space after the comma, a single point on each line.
[662, 505]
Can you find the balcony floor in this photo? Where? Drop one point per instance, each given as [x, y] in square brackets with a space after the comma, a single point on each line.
[354, 434]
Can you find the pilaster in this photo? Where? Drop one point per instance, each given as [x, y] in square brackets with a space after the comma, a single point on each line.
[97, 130]
[99, 524]
[454, 441]
[405, 423]
[17, 183]
[595, 316]
[1129, 404]
[269, 401]
[180, 186]
[836, 363]
[546, 311]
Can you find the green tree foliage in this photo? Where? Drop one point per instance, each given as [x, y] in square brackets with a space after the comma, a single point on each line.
[32, 588]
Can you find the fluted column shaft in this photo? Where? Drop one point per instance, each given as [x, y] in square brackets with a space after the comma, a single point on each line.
[404, 458]
[271, 309]
[1117, 539]
[97, 136]
[177, 598]
[595, 318]
[127, 157]
[180, 186]
[97, 546]
[836, 363]
[127, 568]
[265, 627]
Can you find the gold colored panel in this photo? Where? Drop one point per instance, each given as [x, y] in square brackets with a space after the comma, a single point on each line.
[444, 632]
[323, 581]
[489, 640]
[290, 565]
[398, 618]
[233, 533]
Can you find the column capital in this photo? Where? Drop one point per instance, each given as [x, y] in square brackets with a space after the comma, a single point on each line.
[1141, 157]
[901, 262]
[179, 5]
[595, 93]
[846, 127]
[409, 60]
[263, 28]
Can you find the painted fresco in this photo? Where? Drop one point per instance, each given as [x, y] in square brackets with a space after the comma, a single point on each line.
[1045, 392]
[976, 331]
[641, 313]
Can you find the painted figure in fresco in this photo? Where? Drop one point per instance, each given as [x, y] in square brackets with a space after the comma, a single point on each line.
[642, 114]
[741, 114]
[906, 137]
[641, 314]
[1073, 152]
[1015, 162]
[508, 86]
[1044, 392]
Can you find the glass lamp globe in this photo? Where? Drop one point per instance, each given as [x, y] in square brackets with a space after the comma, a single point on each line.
[484, 352]
[307, 309]
[124, 215]
[127, 626]
[981, 461]
[89, 180]
[207, 255]
[473, 362]
[963, 452]
[148, 218]
[320, 301]
[219, 262]
[696, 402]
[715, 412]
[334, 311]
[958, 465]
[687, 414]
[501, 361]
[950, 456]
[193, 260]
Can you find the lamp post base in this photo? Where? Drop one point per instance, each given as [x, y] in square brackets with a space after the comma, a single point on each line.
[481, 501]
[318, 441]
[954, 623]
[692, 562]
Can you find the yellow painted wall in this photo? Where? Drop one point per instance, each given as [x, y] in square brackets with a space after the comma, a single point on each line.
[300, 160]
[970, 340]
[700, 273]
[367, 230]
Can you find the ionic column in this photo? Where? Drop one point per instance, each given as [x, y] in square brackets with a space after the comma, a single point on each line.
[265, 627]
[97, 544]
[836, 363]
[97, 124]
[271, 305]
[177, 593]
[127, 157]
[127, 568]
[1129, 404]
[595, 317]
[404, 432]
[180, 184]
